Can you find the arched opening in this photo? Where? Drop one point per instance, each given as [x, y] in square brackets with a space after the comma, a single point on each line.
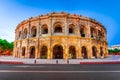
[82, 32]
[44, 29]
[72, 52]
[58, 29]
[25, 34]
[101, 51]
[92, 30]
[84, 52]
[32, 52]
[71, 29]
[43, 52]
[99, 35]
[19, 34]
[94, 51]
[57, 52]
[103, 36]
[23, 51]
[33, 32]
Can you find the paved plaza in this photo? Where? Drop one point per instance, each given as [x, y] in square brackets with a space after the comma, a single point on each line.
[115, 58]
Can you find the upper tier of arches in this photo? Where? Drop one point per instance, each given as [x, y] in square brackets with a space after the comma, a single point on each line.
[59, 25]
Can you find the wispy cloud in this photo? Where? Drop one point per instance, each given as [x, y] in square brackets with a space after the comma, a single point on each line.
[7, 34]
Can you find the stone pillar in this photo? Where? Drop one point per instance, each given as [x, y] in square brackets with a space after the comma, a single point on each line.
[37, 49]
[27, 52]
[66, 26]
[80, 48]
[98, 52]
[20, 52]
[106, 52]
[15, 49]
[89, 51]
[27, 47]
[50, 30]
[79, 54]
[38, 30]
[49, 53]
[37, 40]
[66, 53]
[29, 31]
[50, 48]
[78, 28]
[50, 27]
[88, 31]
[96, 36]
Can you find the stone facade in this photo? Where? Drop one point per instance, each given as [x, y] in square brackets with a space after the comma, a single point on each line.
[60, 36]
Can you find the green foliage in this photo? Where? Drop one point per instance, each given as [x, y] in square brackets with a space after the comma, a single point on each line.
[5, 45]
[113, 51]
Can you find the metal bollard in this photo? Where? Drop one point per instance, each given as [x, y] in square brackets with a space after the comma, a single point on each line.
[67, 61]
[35, 61]
[56, 61]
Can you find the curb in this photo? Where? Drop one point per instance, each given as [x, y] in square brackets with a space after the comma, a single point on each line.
[10, 62]
[116, 62]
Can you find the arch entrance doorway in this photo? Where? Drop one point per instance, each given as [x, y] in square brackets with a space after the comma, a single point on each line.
[32, 52]
[84, 52]
[57, 52]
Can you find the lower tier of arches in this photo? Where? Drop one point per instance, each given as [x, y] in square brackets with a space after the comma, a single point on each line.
[60, 51]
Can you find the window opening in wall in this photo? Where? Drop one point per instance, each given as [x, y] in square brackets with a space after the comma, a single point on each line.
[34, 33]
[71, 30]
[45, 31]
[82, 33]
[58, 29]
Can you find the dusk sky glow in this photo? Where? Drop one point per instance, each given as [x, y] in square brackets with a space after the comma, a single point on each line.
[107, 12]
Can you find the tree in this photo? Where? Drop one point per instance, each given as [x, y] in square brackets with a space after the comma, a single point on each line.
[5, 46]
[114, 51]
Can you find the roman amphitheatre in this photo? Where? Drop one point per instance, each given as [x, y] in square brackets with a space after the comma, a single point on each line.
[60, 35]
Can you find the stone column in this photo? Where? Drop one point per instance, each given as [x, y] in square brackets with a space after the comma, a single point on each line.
[98, 52]
[50, 48]
[28, 36]
[66, 25]
[65, 52]
[78, 28]
[50, 27]
[49, 53]
[106, 52]
[65, 49]
[20, 52]
[88, 31]
[27, 51]
[96, 36]
[79, 54]
[89, 50]
[37, 40]
[37, 48]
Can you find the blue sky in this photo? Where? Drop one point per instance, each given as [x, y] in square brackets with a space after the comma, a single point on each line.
[12, 12]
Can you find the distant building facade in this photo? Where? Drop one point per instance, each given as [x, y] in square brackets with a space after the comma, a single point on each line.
[114, 47]
[60, 36]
